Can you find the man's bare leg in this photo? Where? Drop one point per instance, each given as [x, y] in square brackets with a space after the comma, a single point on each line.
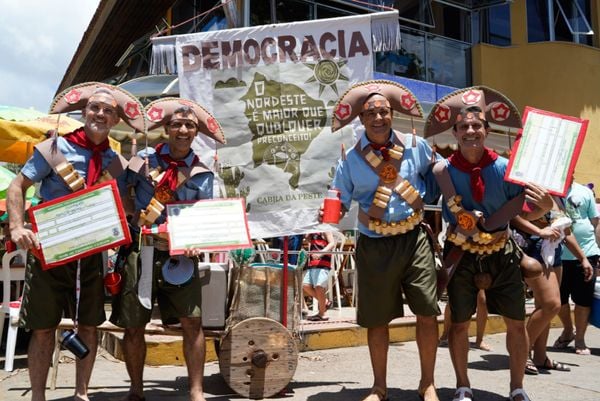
[565, 318]
[194, 350]
[427, 341]
[134, 350]
[39, 358]
[458, 342]
[481, 321]
[378, 339]
[517, 351]
[582, 315]
[84, 367]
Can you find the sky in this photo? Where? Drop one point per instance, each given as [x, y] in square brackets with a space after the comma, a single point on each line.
[37, 43]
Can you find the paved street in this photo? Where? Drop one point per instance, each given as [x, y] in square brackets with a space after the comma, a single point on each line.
[340, 375]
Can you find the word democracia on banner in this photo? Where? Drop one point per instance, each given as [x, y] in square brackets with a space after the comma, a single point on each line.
[213, 55]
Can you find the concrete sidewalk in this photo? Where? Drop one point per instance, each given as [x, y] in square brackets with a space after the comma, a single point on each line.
[341, 374]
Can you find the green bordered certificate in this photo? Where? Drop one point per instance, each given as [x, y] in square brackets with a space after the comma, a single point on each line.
[81, 224]
[208, 225]
[547, 150]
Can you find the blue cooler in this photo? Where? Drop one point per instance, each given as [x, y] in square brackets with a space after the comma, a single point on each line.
[595, 314]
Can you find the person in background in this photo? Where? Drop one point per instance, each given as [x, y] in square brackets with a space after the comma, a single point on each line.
[385, 174]
[480, 322]
[175, 174]
[317, 273]
[50, 293]
[579, 278]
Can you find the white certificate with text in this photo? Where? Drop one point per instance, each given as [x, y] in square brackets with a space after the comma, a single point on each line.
[547, 150]
[208, 225]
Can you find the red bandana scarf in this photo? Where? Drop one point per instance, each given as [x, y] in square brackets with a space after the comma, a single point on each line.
[169, 179]
[79, 138]
[477, 185]
[384, 149]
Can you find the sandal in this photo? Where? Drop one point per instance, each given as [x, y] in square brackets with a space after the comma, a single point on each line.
[530, 368]
[561, 343]
[550, 364]
[463, 394]
[518, 392]
[317, 318]
[582, 350]
[377, 394]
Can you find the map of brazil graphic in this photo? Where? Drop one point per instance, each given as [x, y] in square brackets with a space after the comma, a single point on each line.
[283, 120]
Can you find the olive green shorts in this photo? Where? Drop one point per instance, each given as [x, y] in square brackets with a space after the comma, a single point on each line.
[389, 267]
[48, 294]
[174, 301]
[506, 295]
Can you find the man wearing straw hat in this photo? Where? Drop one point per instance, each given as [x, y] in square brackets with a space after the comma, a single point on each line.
[171, 172]
[478, 204]
[384, 172]
[50, 293]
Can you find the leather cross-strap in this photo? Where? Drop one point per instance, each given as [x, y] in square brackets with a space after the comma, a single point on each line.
[64, 169]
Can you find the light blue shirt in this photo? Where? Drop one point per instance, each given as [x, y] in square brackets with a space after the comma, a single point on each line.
[581, 207]
[197, 187]
[356, 180]
[497, 191]
[52, 185]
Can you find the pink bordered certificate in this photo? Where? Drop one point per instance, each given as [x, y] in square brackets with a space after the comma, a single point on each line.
[81, 224]
[547, 150]
[208, 225]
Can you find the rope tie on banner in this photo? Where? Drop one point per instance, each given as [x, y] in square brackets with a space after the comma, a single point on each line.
[223, 4]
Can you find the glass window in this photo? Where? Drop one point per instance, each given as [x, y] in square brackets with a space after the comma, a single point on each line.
[260, 12]
[537, 21]
[294, 10]
[185, 10]
[408, 62]
[448, 62]
[495, 25]
[415, 11]
[330, 12]
[563, 20]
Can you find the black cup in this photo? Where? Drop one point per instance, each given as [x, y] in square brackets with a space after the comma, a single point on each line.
[72, 342]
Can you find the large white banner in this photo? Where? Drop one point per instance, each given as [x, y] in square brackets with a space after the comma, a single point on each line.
[272, 88]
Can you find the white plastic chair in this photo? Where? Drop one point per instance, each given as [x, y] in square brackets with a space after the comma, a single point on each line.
[266, 254]
[10, 307]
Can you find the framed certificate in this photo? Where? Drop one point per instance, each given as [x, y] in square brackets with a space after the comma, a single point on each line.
[80, 224]
[209, 225]
[547, 150]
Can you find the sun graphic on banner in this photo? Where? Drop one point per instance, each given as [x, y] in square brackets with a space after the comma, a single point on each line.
[327, 72]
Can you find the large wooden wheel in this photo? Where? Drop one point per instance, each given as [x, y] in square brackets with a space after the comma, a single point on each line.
[258, 357]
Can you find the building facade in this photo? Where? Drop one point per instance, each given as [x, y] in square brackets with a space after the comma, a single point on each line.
[540, 53]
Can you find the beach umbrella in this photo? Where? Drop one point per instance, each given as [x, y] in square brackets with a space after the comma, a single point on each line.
[6, 176]
[21, 129]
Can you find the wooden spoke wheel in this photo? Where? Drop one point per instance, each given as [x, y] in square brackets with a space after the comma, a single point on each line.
[258, 357]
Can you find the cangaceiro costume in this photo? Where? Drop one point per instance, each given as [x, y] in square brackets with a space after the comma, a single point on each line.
[393, 254]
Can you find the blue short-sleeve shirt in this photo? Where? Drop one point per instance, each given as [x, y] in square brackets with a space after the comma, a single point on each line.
[497, 191]
[356, 180]
[197, 187]
[52, 186]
